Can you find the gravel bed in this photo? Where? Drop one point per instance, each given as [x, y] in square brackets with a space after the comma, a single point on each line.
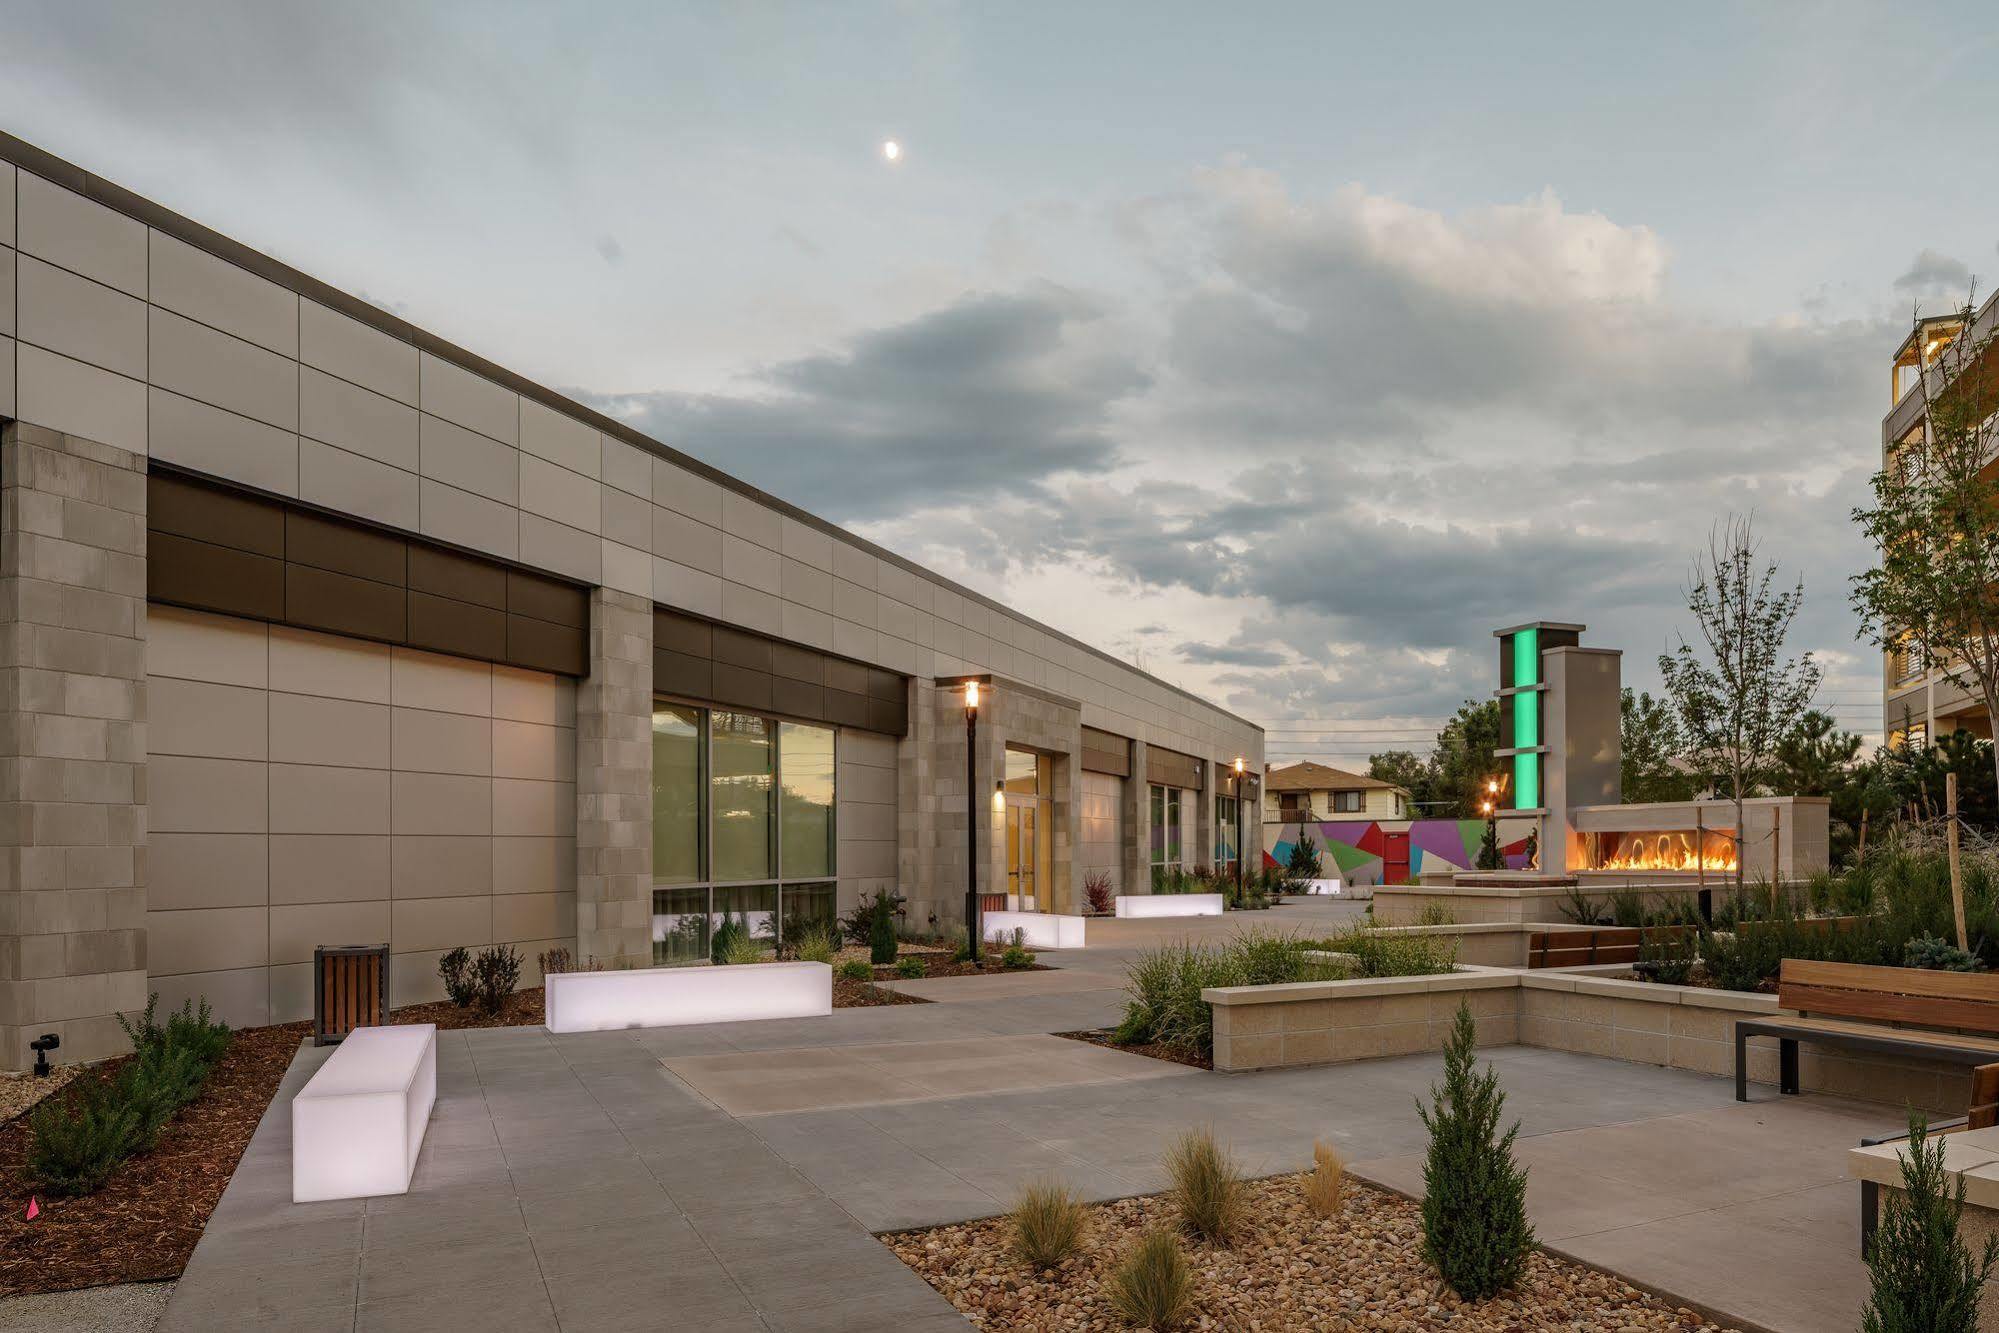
[1294, 1270]
[20, 1093]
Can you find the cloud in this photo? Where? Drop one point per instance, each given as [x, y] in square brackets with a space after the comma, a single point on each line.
[610, 251]
[989, 396]
[1933, 274]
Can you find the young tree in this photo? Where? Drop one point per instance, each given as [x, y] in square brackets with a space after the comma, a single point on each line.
[1935, 522]
[1463, 759]
[1650, 740]
[1738, 696]
[1475, 1229]
[1923, 1278]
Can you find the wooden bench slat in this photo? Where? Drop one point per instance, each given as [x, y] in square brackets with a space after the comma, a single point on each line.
[1925, 1010]
[1835, 1027]
[1893, 980]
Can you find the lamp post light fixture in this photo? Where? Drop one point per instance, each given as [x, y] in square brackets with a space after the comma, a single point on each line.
[972, 931]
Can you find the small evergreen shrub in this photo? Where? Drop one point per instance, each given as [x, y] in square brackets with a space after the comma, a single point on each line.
[1666, 956]
[1098, 892]
[1208, 1190]
[77, 1138]
[882, 944]
[1942, 955]
[1304, 860]
[1153, 1287]
[814, 945]
[495, 973]
[1922, 1277]
[455, 967]
[858, 926]
[856, 970]
[1048, 1225]
[1016, 959]
[909, 969]
[1475, 1230]
[1327, 1184]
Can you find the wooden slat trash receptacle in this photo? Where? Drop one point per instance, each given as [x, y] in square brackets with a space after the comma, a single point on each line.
[350, 989]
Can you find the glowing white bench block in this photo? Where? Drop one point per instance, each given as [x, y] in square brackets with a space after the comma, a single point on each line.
[1331, 888]
[1169, 904]
[358, 1124]
[1039, 930]
[665, 997]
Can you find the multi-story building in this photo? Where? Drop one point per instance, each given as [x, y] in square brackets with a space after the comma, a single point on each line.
[1918, 702]
[320, 630]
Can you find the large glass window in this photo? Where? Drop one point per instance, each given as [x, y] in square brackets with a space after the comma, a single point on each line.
[1166, 853]
[677, 833]
[1225, 833]
[742, 806]
[805, 799]
[744, 764]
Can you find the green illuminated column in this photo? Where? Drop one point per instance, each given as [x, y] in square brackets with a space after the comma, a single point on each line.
[1526, 718]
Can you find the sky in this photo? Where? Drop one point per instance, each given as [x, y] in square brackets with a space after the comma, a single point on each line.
[1285, 350]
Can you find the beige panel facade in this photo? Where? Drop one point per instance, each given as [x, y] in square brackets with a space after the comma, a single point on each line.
[313, 790]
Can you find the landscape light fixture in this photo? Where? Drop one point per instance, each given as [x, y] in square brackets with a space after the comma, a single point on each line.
[972, 819]
[41, 1046]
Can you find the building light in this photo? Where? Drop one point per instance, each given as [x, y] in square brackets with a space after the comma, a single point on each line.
[972, 696]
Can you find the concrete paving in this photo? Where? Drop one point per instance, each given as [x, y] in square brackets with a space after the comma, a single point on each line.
[729, 1176]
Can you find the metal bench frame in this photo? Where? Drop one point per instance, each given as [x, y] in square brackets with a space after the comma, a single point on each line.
[1789, 1033]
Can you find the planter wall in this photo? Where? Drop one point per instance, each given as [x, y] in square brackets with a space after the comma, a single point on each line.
[1328, 1022]
[1572, 1009]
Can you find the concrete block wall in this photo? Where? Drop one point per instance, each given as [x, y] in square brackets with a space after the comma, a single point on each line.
[313, 789]
[614, 784]
[72, 742]
[1102, 821]
[865, 817]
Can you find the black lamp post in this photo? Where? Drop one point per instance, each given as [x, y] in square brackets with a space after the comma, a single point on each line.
[972, 818]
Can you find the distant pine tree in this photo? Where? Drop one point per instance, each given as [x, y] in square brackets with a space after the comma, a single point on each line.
[1475, 1230]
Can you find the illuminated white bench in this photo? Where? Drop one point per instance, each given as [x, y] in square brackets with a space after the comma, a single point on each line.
[358, 1124]
[1039, 930]
[1169, 904]
[1331, 888]
[665, 997]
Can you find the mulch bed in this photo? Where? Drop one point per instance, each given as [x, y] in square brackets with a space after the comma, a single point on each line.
[866, 995]
[1360, 1269]
[524, 1008]
[143, 1224]
[940, 965]
[1154, 1049]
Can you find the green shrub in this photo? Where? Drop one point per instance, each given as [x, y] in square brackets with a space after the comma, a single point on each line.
[1475, 1230]
[495, 973]
[455, 967]
[742, 948]
[1922, 1277]
[77, 1138]
[856, 970]
[1048, 1224]
[1436, 914]
[724, 939]
[1016, 959]
[882, 944]
[1941, 955]
[1390, 954]
[1153, 1287]
[909, 969]
[814, 945]
[858, 926]
[1164, 1002]
[1667, 955]
[1209, 1191]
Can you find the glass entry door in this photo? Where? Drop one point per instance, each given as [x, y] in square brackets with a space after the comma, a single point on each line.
[1021, 861]
[1030, 813]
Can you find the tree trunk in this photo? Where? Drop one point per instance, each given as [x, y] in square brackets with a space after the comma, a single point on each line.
[1741, 842]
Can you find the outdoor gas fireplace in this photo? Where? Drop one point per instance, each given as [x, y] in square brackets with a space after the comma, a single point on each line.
[1783, 838]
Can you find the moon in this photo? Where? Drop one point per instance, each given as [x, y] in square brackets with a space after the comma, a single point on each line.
[891, 151]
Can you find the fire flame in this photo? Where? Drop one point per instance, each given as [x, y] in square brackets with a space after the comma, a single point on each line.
[1664, 851]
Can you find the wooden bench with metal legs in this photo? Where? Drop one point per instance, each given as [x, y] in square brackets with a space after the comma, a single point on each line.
[1864, 1005]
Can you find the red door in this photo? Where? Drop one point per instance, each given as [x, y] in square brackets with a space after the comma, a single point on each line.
[1394, 857]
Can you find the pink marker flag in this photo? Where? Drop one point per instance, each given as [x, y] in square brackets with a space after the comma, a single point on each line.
[34, 1208]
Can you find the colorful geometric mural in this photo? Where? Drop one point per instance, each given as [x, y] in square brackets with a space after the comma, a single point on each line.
[1354, 848]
